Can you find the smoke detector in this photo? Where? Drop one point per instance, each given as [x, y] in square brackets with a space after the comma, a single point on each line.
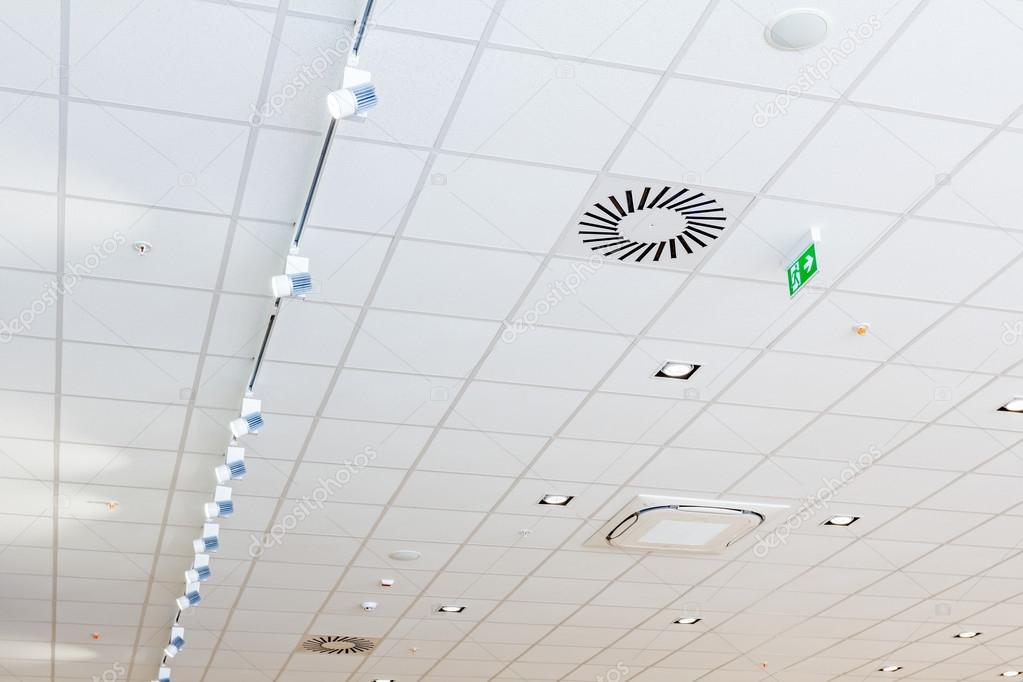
[675, 525]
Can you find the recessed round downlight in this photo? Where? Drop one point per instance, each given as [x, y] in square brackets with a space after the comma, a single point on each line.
[1011, 673]
[676, 369]
[969, 634]
[405, 555]
[1014, 405]
[889, 669]
[797, 29]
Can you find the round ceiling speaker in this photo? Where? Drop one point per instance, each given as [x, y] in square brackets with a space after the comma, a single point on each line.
[797, 29]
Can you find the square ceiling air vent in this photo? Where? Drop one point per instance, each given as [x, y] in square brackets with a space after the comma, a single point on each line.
[674, 525]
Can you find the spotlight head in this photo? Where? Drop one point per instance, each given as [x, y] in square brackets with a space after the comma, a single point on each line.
[233, 467]
[356, 96]
[200, 571]
[296, 280]
[251, 419]
[190, 597]
[221, 504]
[210, 540]
[163, 675]
[177, 642]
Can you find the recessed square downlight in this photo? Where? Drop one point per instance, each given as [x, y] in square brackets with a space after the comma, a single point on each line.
[681, 371]
[1014, 405]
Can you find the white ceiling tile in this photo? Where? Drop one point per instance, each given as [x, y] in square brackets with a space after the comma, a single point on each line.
[127, 373]
[105, 230]
[28, 137]
[908, 74]
[447, 17]
[454, 280]
[573, 28]
[289, 341]
[26, 459]
[552, 357]
[845, 437]
[948, 447]
[902, 268]
[105, 33]
[457, 204]
[697, 470]
[538, 410]
[977, 193]
[124, 313]
[745, 314]
[122, 423]
[239, 324]
[28, 239]
[977, 493]
[593, 294]
[421, 344]
[477, 452]
[451, 491]
[910, 393]
[344, 265]
[630, 419]
[289, 388]
[898, 486]
[277, 154]
[830, 328]
[1000, 293]
[568, 459]
[980, 408]
[359, 200]
[391, 445]
[526, 106]
[383, 396]
[447, 525]
[28, 364]
[709, 132]
[741, 428]
[153, 159]
[916, 151]
[29, 415]
[795, 381]
[31, 39]
[968, 339]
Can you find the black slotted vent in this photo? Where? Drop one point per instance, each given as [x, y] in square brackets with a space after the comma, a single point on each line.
[700, 222]
[338, 645]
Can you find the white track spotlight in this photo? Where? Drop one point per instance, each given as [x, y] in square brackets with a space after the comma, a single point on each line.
[296, 280]
[200, 571]
[163, 675]
[221, 504]
[251, 420]
[233, 467]
[177, 642]
[356, 96]
[210, 540]
[190, 597]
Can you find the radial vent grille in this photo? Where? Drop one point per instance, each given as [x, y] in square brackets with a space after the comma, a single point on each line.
[338, 645]
[688, 221]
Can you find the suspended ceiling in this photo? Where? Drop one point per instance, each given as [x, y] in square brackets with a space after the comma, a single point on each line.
[446, 220]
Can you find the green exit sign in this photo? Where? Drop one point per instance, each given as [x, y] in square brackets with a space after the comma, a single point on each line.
[802, 269]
